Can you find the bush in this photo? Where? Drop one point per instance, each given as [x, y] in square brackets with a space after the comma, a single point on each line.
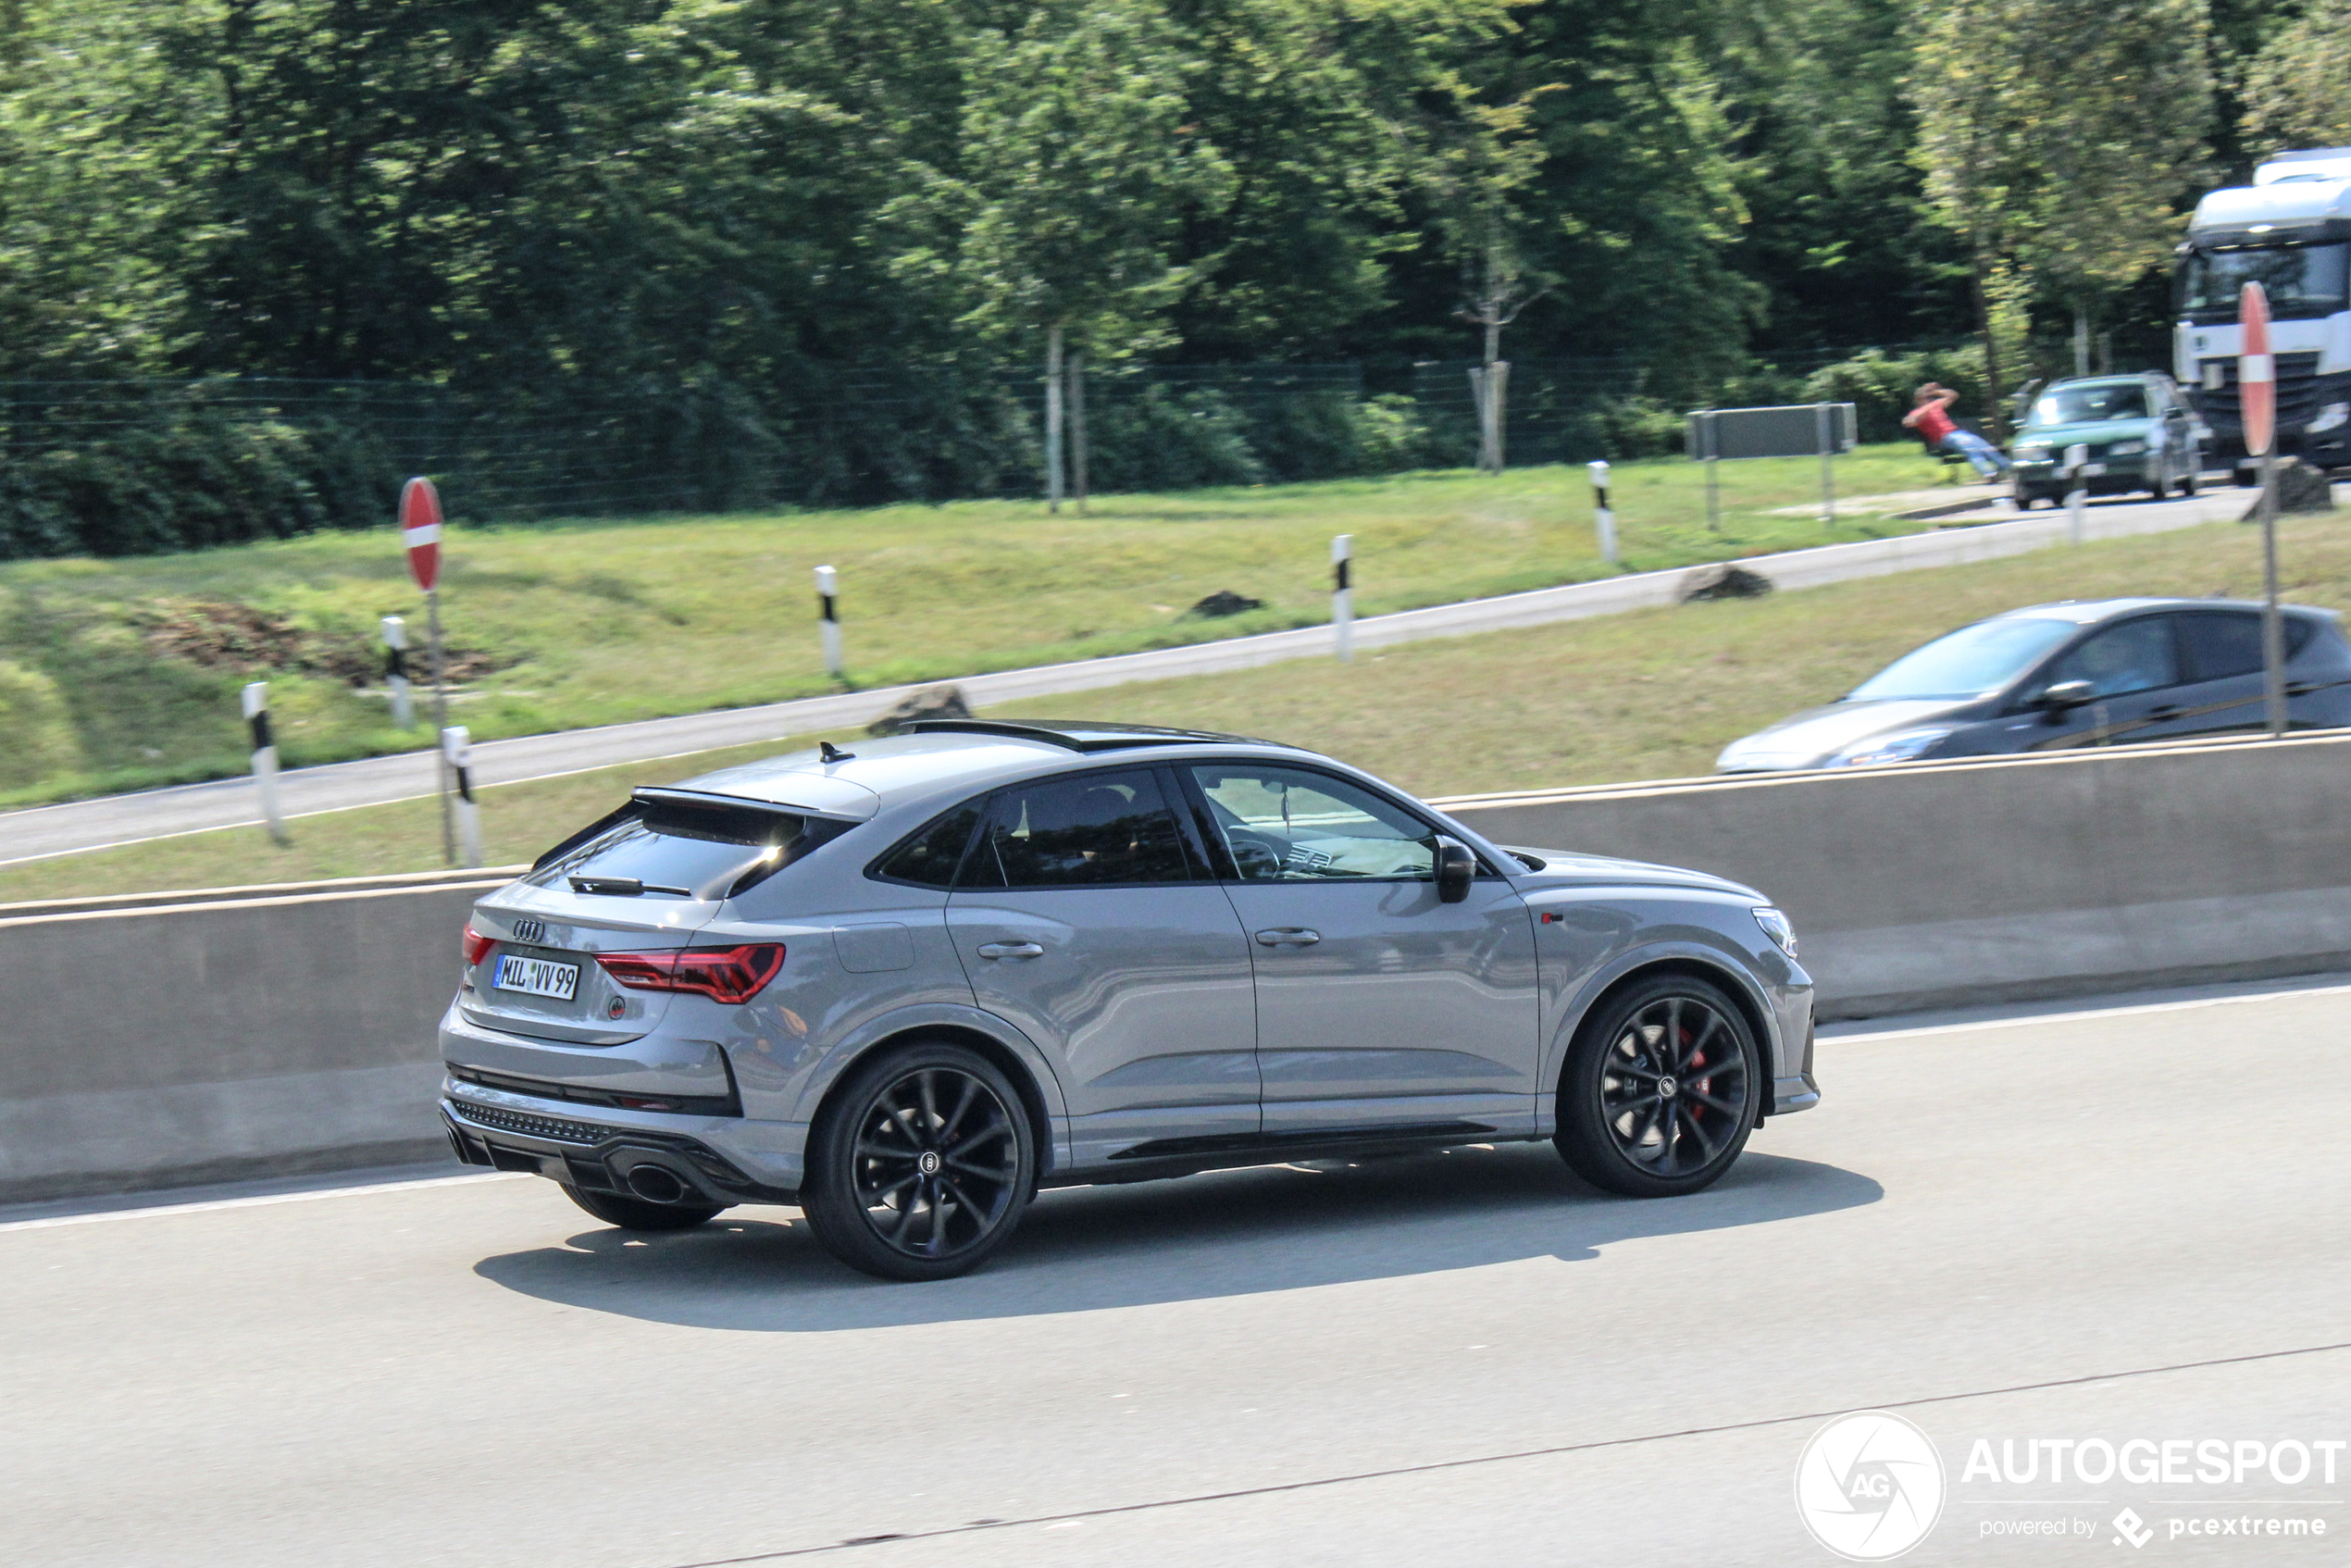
[1881, 386]
[187, 476]
[1160, 439]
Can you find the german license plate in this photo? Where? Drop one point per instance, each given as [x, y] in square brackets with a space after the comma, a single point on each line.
[2092, 470]
[537, 976]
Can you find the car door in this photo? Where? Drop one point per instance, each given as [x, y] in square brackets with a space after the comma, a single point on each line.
[2132, 670]
[2221, 686]
[1378, 1006]
[1084, 918]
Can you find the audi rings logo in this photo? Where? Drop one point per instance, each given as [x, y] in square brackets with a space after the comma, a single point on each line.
[1869, 1486]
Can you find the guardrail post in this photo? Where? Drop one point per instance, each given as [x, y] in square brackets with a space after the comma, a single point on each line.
[1343, 597]
[2077, 495]
[457, 750]
[255, 704]
[828, 622]
[1603, 515]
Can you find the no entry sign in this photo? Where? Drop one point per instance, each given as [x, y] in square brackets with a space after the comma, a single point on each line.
[2257, 371]
[420, 530]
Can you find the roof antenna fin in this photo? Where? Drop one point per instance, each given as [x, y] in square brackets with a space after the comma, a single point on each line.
[831, 753]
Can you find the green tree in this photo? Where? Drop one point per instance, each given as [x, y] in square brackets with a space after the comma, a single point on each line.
[1080, 163]
[2057, 137]
[2294, 88]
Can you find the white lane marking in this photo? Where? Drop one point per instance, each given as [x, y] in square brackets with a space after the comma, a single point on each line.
[2083, 1013]
[152, 1211]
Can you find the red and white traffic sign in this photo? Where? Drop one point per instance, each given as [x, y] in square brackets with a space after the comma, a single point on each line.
[2257, 371]
[420, 530]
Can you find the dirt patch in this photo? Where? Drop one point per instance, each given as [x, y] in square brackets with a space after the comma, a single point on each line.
[240, 639]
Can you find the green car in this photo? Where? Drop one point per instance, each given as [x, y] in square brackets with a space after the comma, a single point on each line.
[2137, 431]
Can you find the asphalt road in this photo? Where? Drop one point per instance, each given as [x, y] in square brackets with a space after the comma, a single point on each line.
[115, 820]
[2116, 1223]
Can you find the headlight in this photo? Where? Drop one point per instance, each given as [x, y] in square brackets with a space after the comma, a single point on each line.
[2126, 449]
[2334, 414]
[1901, 746]
[1776, 926]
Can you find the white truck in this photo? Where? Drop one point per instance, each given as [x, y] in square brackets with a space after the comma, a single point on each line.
[2290, 231]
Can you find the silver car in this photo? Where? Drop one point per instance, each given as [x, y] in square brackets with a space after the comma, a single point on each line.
[905, 988]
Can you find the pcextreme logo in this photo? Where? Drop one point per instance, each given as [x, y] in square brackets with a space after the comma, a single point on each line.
[1870, 1486]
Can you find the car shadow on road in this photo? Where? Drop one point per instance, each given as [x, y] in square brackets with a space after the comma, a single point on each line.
[1229, 1234]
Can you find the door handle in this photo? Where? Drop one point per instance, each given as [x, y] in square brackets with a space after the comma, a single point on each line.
[2165, 712]
[1288, 936]
[1010, 949]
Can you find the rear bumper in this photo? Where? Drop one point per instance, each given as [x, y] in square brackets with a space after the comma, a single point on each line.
[721, 1161]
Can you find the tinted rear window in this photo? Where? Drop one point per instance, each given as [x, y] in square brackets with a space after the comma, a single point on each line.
[2218, 645]
[1094, 830]
[713, 851]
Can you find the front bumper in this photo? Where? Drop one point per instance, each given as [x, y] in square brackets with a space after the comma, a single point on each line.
[2116, 476]
[556, 1140]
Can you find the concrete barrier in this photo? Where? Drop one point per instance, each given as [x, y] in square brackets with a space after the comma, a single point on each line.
[236, 1032]
[1951, 884]
[185, 1038]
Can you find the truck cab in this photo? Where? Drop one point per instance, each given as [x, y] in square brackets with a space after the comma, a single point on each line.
[2290, 231]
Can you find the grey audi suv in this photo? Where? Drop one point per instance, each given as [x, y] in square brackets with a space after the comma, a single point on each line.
[904, 988]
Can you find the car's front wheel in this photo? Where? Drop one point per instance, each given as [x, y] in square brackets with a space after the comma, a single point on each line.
[921, 1164]
[1659, 1091]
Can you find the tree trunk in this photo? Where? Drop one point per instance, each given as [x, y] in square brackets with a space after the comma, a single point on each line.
[1077, 427]
[1995, 420]
[1054, 417]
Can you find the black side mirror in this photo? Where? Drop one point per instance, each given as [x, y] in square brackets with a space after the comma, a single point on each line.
[2065, 696]
[1455, 868]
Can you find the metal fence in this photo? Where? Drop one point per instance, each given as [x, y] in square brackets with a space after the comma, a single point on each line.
[121, 466]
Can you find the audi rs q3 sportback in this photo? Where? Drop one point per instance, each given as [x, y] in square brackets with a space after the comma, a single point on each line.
[905, 988]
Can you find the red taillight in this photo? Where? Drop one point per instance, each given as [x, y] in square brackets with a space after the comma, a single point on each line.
[731, 975]
[477, 946]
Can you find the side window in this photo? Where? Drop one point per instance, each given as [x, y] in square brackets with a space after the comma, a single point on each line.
[1098, 829]
[1286, 825]
[929, 857]
[2220, 644]
[2134, 657]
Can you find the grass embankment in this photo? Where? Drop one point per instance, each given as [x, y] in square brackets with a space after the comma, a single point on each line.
[1651, 694]
[120, 674]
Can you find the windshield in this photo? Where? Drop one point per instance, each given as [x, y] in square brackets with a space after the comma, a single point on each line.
[2302, 281]
[2081, 405]
[1971, 662]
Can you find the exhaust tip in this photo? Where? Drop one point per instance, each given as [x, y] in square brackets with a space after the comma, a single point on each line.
[656, 1185]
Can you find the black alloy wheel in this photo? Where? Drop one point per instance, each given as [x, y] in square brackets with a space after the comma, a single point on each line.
[1660, 1088]
[922, 1164]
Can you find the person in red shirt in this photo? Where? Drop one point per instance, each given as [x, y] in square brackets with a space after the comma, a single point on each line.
[1932, 420]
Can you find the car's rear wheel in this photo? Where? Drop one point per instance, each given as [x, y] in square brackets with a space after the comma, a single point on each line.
[1659, 1091]
[635, 1213]
[922, 1163]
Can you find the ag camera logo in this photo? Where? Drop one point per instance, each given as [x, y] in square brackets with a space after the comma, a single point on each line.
[1870, 1486]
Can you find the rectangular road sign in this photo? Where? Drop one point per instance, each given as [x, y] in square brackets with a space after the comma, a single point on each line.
[1793, 430]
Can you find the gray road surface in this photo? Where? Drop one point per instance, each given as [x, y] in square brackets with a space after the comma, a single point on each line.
[121, 819]
[2120, 1222]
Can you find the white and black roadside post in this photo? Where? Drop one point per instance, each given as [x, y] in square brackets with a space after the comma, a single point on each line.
[457, 753]
[1603, 515]
[265, 758]
[2077, 493]
[1343, 596]
[420, 537]
[403, 710]
[828, 617]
